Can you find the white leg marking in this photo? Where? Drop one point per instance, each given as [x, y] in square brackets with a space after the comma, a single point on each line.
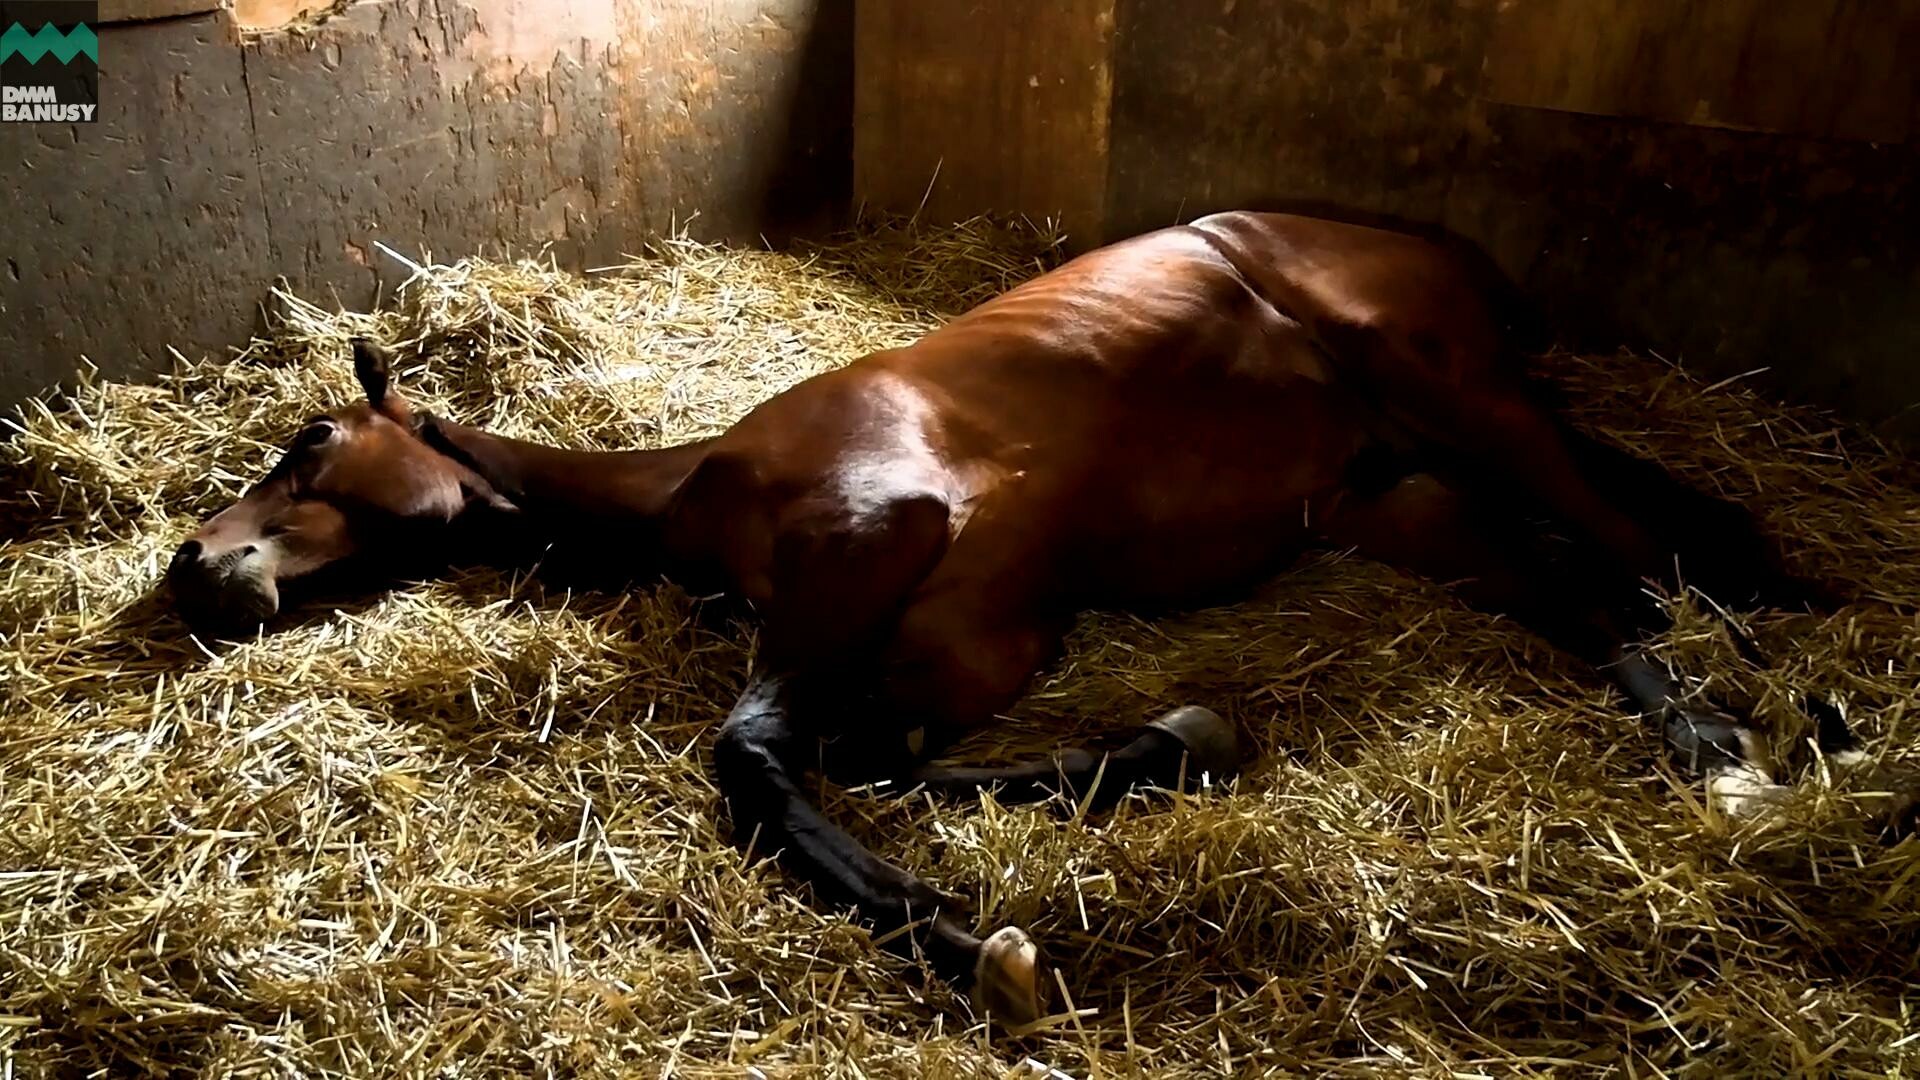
[1745, 791]
[1849, 759]
[1753, 752]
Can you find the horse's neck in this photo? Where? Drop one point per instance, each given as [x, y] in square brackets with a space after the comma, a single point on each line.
[613, 498]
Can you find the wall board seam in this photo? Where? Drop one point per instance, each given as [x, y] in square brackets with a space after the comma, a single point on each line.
[253, 142]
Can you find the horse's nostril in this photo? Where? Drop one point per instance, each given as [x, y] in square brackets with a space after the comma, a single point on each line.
[188, 552]
[248, 550]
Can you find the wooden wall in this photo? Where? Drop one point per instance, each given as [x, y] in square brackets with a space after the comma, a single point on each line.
[224, 160]
[1728, 181]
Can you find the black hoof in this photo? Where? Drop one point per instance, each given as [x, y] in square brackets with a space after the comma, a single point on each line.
[1213, 750]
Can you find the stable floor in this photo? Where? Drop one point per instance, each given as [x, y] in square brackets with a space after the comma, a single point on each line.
[466, 829]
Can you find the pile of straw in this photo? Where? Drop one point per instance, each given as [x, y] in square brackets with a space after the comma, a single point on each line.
[466, 828]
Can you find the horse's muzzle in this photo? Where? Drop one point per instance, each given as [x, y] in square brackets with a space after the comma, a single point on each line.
[223, 593]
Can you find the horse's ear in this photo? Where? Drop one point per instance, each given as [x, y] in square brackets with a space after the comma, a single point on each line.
[373, 366]
[478, 492]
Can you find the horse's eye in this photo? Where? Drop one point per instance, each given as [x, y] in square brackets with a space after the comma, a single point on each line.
[315, 433]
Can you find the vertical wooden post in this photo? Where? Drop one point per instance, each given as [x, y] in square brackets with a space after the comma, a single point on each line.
[964, 107]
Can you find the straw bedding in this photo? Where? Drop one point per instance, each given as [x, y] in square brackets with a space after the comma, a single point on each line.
[466, 828]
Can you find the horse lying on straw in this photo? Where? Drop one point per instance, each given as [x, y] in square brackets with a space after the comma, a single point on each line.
[1161, 422]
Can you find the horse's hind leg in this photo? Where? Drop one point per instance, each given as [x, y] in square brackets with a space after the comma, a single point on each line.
[1456, 385]
[1507, 433]
[1719, 547]
[1441, 533]
[1892, 793]
[1634, 511]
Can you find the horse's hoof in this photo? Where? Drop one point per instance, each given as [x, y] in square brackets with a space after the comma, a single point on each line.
[1212, 747]
[1747, 792]
[1006, 978]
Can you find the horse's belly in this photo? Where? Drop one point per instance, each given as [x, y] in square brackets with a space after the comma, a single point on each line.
[1182, 568]
[1211, 502]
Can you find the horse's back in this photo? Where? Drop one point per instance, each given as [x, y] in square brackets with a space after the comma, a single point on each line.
[1397, 311]
[1164, 416]
[1148, 411]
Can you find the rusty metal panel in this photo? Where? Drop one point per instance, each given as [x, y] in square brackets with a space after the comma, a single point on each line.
[1728, 249]
[1828, 68]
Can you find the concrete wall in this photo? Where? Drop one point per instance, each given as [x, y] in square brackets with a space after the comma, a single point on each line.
[1666, 225]
[223, 160]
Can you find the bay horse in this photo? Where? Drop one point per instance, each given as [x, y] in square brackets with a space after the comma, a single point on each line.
[1162, 422]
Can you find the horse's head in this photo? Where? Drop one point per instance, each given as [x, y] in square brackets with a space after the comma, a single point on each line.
[358, 487]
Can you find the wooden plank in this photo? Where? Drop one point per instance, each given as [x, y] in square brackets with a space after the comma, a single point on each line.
[1842, 68]
[1240, 103]
[987, 106]
[1827, 68]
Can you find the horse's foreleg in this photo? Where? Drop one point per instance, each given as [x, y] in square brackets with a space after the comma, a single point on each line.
[965, 648]
[841, 577]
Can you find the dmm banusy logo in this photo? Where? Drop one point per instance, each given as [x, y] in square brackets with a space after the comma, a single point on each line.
[49, 62]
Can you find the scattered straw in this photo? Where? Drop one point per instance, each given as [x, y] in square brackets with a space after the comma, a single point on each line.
[466, 829]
